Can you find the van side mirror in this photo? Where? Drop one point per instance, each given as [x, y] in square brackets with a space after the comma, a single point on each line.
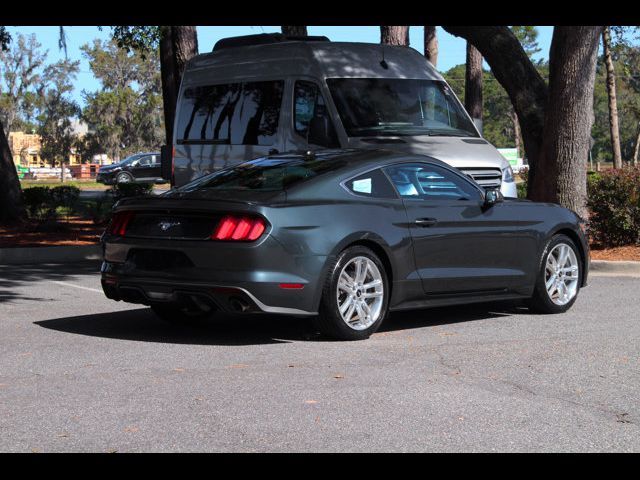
[166, 162]
[491, 197]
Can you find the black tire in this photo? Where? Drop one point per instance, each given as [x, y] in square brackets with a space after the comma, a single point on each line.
[540, 301]
[329, 321]
[124, 177]
[180, 315]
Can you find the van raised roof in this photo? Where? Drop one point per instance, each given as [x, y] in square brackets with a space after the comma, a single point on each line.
[264, 39]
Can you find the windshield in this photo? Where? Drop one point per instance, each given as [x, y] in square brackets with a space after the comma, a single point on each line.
[371, 107]
[270, 174]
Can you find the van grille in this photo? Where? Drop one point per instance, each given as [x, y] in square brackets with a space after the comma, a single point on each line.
[487, 178]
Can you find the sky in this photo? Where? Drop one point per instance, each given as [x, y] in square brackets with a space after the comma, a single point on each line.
[452, 50]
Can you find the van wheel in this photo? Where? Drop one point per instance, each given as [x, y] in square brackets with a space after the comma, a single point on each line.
[180, 315]
[559, 277]
[355, 297]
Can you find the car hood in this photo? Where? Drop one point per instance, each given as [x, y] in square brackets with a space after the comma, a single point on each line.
[457, 152]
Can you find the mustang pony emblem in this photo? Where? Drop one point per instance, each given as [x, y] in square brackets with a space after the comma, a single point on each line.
[164, 226]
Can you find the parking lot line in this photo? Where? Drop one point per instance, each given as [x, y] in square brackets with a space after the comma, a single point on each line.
[77, 286]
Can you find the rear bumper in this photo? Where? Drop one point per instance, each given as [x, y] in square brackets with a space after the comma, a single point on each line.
[225, 298]
[232, 278]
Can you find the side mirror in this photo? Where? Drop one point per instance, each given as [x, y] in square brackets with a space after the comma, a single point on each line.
[492, 197]
[166, 162]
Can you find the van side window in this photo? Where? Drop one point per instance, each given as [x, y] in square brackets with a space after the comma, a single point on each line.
[233, 114]
[311, 117]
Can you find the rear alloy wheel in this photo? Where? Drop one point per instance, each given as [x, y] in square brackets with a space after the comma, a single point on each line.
[355, 296]
[124, 178]
[559, 278]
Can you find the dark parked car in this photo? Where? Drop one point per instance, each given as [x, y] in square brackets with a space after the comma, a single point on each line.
[344, 236]
[141, 167]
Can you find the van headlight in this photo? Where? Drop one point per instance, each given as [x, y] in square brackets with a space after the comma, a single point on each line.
[507, 174]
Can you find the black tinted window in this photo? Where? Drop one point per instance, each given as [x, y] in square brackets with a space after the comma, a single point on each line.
[390, 106]
[236, 114]
[268, 174]
[424, 181]
[311, 117]
[371, 184]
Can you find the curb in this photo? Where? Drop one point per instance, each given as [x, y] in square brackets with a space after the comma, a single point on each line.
[31, 255]
[605, 267]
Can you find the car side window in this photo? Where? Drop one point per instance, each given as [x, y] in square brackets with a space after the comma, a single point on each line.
[144, 161]
[372, 184]
[311, 117]
[430, 182]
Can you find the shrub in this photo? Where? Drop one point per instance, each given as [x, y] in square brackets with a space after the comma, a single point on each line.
[98, 210]
[66, 197]
[39, 204]
[123, 190]
[614, 206]
[522, 186]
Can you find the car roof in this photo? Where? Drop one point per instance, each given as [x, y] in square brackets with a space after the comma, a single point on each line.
[357, 158]
[321, 59]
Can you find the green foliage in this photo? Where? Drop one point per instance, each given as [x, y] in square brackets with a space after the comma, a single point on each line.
[523, 185]
[123, 190]
[98, 210]
[126, 114]
[39, 204]
[528, 36]
[614, 205]
[58, 110]
[21, 73]
[143, 39]
[44, 204]
[5, 39]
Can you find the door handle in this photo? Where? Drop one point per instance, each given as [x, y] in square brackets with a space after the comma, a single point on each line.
[426, 222]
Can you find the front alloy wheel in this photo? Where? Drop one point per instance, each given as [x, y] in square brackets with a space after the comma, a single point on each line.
[559, 277]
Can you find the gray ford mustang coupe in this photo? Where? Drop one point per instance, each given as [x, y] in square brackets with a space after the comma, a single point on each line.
[344, 236]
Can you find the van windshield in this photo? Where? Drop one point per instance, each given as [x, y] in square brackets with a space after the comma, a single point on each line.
[371, 107]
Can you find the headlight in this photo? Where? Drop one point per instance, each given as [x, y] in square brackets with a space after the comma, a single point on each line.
[507, 174]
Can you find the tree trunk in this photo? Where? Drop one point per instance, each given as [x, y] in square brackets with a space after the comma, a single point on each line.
[431, 45]
[11, 206]
[613, 101]
[295, 31]
[473, 85]
[568, 118]
[394, 36]
[516, 132]
[636, 149]
[518, 76]
[177, 45]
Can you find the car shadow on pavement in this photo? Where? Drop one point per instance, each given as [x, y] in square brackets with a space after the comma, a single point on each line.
[142, 325]
[13, 277]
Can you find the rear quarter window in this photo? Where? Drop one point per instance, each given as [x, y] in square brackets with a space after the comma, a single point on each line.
[372, 184]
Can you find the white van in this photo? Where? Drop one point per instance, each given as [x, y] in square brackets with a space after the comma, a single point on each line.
[264, 94]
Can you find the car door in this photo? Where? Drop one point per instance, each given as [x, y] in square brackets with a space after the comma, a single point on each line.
[155, 169]
[141, 169]
[460, 246]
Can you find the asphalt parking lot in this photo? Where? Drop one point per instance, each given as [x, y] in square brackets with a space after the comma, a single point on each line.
[79, 372]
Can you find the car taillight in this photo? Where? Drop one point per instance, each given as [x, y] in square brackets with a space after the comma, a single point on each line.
[120, 222]
[239, 228]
